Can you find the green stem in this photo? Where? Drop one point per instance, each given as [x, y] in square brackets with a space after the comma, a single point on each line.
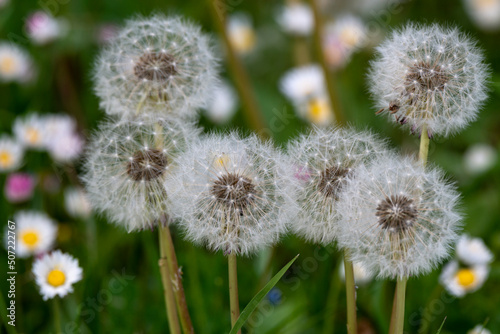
[350, 288]
[300, 51]
[329, 76]
[424, 145]
[233, 289]
[399, 318]
[332, 301]
[240, 75]
[57, 315]
[173, 320]
[176, 279]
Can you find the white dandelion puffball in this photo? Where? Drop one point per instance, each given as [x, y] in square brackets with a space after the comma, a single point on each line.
[296, 19]
[127, 163]
[15, 63]
[11, 154]
[233, 194]
[473, 251]
[459, 281]
[397, 218]
[77, 203]
[429, 76]
[31, 131]
[55, 274]
[157, 66]
[323, 161]
[35, 233]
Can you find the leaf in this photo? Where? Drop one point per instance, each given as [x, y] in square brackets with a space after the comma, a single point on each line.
[259, 296]
[441, 327]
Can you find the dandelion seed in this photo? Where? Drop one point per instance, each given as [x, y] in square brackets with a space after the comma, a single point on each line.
[429, 76]
[324, 160]
[232, 194]
[55, 274]
[396, 218]
[127, 163]
[158, 66]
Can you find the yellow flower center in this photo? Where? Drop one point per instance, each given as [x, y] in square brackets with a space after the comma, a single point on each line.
[56, 278]
[243, 39]
[32, 135]
[7, 65]
[318, 111]
[5, 159]
[30, 238]
[465, 277]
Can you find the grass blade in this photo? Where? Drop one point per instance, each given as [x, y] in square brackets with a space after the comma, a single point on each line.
[441, 327]
[259, 296]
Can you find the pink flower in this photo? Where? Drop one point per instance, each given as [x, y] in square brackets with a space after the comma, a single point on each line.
[302, 173]
[19, 187]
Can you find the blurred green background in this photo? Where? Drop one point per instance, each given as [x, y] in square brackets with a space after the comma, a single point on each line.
[299, 304]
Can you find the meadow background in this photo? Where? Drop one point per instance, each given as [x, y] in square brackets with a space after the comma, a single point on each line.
[121, 291]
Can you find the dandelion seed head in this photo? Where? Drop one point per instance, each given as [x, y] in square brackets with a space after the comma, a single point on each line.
[232, 194]
[429, 75]
[126, 164]
[161, 66]
[397, 218]
[323, 161]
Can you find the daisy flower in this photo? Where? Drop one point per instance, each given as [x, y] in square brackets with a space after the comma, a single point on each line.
[77, 203]
[19, 187]
[429, 76]
[484, 13]
[396, 218]
[296, 19]
[126, 164]
[55, 274]
[158, 66]
[15, 63]
[43, 28]
[459, 281]
[11, 154]
[473, 251]
[241, 34]
[30, 130]
[35, 233]
[62, 140]
[323, 160]
[479, 329]
[232, 194]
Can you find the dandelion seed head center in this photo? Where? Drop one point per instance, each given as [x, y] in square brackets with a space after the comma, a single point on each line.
[234, 191]
[331, 180]
[424, 77]
[396, 213]
[146, 165]
[155, 66]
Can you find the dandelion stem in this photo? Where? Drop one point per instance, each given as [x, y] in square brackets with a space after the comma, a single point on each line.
[350, 288]
[57, 315]
[176, 280]
[399, 318]
[245, 90]
[424, 145]
[300, 51]
[173, 320]
[233, 289]
[329, 76]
